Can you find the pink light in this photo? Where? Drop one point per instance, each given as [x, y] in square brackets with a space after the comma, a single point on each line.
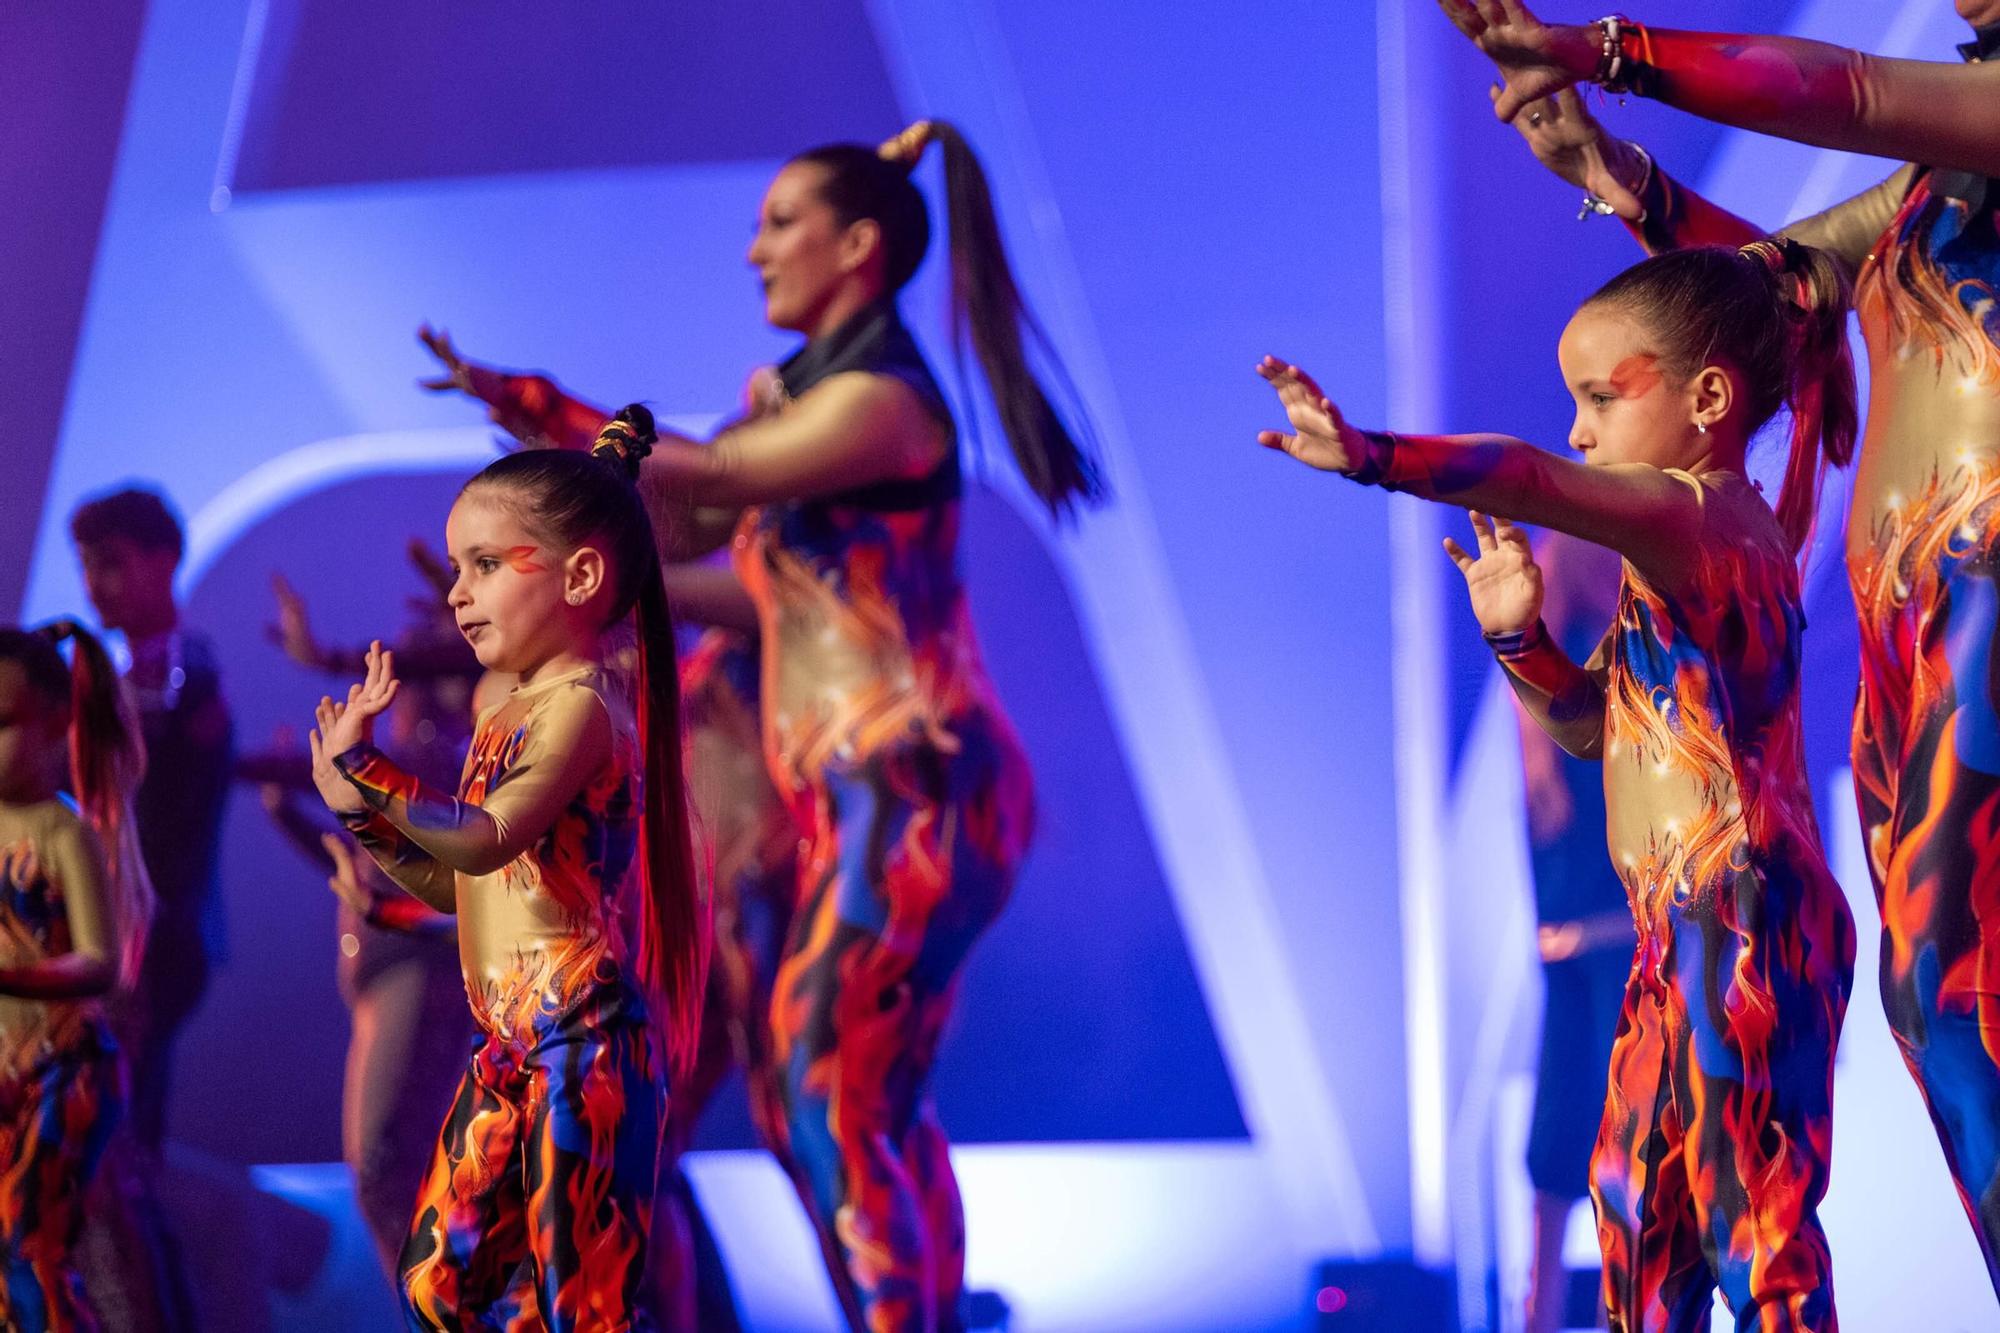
[1331, 1300]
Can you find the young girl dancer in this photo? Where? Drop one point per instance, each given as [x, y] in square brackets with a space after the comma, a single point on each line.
[74, 903]
[911, 792]
[1712, 1157]
[540, 1195]
[1924, 521]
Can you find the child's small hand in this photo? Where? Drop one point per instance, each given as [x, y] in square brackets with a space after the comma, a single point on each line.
[353, 877]
[1322, 439]
[1503, 580]
[342, 726]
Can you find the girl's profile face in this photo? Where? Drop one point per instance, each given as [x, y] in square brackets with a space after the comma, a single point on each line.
[32, 738]
[1627, 409]
[507, 590]
[797, 249]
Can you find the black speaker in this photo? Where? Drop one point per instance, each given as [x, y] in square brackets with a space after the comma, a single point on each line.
[1385, 1296]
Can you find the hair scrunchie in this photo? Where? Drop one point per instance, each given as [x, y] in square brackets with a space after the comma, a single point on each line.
[626, 439]
[907, 148]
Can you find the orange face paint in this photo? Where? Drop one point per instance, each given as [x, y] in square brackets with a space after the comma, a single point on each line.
[521, 559]
[1636, 376]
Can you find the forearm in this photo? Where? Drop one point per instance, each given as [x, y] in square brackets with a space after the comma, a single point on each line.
[1814, 93]
[455, 833]
[1676, 218]
[69, 976]
[536, 410]
[1561, 698]
[419, 874]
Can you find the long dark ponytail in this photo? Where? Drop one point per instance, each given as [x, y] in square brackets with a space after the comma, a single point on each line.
[107, 758]
[577, 498]
[986, 305]
[1776, 311]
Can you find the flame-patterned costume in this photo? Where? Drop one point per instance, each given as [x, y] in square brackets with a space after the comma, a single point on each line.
[1712, 1156]
[1922, 532]
[62, 1082]
[914, 805]
[538, 1201]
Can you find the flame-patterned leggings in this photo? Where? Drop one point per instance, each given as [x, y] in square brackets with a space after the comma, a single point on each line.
[535, 1211]
[1712, 1158]
[54, 1125]
[1927, 779]
[900, 870]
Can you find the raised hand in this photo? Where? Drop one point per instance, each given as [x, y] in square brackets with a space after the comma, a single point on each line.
[293, 632]
[343, 725]
[354, 879]
[1319, 437]
[458, 372]
[1503, 580]
[1567, 139]
[1536, 59]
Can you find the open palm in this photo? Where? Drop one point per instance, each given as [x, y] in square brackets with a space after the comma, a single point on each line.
[1319, 436]
[1503, 580]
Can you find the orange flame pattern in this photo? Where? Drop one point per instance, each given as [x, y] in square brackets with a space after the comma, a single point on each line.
[1712, 1157]
[1926, 749]
[913, 803]
[534, 1214]
[55, 1120]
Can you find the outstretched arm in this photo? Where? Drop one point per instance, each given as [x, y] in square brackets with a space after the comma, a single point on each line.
[1649, 516]
[1944, 115]
[1664, 214]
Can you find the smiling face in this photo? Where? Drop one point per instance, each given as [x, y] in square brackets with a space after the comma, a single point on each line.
[805, 259]
[507, 588]
[1627, 408]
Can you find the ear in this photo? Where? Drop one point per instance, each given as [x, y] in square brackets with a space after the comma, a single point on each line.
[1713, 394]
[584, 575]
[861, 242]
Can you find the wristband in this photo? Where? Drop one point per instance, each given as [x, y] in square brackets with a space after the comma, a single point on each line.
[1517, 643]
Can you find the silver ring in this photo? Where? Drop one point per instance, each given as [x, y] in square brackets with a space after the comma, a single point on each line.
[1534, 117]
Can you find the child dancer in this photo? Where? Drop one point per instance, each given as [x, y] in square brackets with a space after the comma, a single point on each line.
[74, 903]
[539, 1198]
[1712, 1156]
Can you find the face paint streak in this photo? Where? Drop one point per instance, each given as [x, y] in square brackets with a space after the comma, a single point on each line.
[1636, 376]
[521, 560]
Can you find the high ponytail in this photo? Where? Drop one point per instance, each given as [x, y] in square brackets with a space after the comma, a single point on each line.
[1823, 399]
[987, 310]
[577, 498]
[676, 935]
[1776, 312]
[107, 758]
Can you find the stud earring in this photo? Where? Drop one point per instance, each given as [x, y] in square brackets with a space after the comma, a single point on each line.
[1701, 426]
[575, 598]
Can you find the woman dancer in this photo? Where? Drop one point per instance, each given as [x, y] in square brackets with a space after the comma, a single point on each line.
[568, 861]
[1712, 1156]
[74, 905]
[1924, 524]
[881, 730]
